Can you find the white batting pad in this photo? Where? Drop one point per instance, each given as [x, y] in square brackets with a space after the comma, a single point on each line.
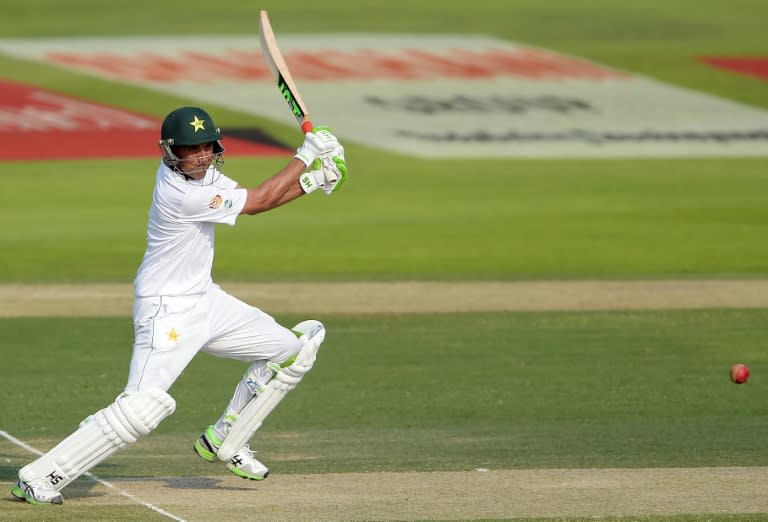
[101, 435]
[251, 418]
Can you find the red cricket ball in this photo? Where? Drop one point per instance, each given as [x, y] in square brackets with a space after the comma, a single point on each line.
[739, 373]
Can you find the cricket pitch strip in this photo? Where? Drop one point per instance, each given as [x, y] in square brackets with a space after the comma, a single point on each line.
[468, 495]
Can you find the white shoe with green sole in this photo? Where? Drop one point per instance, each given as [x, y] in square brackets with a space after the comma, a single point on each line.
[37, 492]
[243, 463]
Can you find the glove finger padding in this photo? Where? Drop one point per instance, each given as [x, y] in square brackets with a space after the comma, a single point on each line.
[330, 176]
[330, 171]
[334, 174]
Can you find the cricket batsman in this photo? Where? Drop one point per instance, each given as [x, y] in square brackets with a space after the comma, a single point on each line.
[179, 311]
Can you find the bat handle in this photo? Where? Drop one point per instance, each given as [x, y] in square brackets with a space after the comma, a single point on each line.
[307, 126]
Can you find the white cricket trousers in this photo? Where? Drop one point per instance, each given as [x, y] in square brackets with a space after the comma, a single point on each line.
[170, 331]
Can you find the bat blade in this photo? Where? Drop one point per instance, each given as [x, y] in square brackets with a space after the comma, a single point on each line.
[281, 74]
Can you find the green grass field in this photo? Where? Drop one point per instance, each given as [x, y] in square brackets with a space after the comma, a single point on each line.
[454, 392]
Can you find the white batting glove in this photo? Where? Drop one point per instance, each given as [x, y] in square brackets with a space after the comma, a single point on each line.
[327, 173]
[338, 151]
[334, 171]
[313, 179]
[316, 143]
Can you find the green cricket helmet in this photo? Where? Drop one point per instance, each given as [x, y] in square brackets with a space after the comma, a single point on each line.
[189, 126]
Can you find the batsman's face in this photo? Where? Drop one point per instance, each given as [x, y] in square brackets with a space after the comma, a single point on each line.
[195, 159]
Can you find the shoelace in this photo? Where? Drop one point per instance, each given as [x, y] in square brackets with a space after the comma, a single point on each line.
[248, 451]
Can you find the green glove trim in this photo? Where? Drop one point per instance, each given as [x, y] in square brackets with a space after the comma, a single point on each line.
[342, 166]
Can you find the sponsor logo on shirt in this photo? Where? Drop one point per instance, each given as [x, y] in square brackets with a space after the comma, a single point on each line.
[215, 201]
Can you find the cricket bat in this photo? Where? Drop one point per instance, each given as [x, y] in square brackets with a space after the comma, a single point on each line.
[276, 64]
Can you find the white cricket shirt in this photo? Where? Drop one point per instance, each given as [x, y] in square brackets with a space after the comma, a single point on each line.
[180, 233]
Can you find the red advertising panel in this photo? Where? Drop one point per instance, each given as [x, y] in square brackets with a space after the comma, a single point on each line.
[36, 124]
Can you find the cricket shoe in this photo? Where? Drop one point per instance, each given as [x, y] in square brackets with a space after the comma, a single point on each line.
[36, 492]
[243, 463]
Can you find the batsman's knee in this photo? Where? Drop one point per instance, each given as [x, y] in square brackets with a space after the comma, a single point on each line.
[141, 412]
